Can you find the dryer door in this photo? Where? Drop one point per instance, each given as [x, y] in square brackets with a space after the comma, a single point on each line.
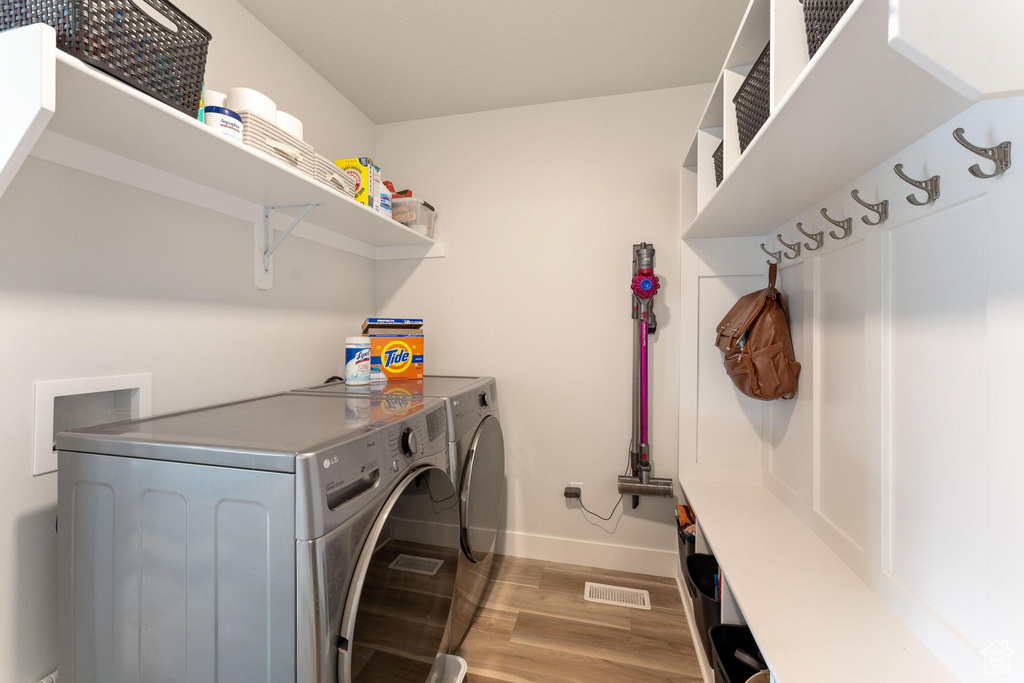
[482, 495]
[397, 609]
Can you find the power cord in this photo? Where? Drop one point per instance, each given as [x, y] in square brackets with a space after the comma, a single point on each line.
[614, 508]
[610, 514]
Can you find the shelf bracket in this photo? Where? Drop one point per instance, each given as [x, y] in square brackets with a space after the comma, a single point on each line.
[265, 250]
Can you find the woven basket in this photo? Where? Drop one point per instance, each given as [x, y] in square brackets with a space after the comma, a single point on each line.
[820, 17]
[121, 39]
[719, 166]
[753, 99]
[328, 173]
[278, 143]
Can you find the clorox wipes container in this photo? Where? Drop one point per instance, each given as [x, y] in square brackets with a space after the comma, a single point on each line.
[357, 360]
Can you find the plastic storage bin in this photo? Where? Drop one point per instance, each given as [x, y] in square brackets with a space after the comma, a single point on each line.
[687, 546]
[414, 213]
[125, 41]
[820, 17]
[736, 655]
[719, 158]
[753, 99]
[707, 609]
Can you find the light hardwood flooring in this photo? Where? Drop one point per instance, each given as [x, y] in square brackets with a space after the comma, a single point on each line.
[535, 627]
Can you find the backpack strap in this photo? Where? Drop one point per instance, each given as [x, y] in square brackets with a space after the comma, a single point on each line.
[772, 273]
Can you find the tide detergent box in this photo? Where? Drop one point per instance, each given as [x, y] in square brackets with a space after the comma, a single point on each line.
[396, 348]
[361, 170]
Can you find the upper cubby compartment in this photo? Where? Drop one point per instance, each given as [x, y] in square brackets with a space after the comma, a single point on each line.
[63, 111]
[715, 149]
[834, 116]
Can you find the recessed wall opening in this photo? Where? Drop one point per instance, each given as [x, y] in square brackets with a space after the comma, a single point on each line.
[84, 410]
[66, 404]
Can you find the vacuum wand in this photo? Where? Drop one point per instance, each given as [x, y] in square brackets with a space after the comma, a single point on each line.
[645, 285]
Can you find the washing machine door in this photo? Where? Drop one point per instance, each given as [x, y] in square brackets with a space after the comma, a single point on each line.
[482, 493]
[396, 611]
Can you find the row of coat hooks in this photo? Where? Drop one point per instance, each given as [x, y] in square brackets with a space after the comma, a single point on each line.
[999, 155]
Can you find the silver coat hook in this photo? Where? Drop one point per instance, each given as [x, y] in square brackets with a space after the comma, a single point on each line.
[931, 186]
[1000, 155]
[777, 255]
[818, 237]
[795, 248]
[881, 208]
[846, 225]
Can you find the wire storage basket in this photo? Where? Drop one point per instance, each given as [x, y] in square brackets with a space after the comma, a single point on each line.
[820, 17]
[149, 44]
[717, 155]
[753, 99]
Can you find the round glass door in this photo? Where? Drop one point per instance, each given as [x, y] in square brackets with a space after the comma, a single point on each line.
[483, 489]
[397, 610]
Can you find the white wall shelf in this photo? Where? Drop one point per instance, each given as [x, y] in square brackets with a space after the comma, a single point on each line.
[104, 127]
[812, 617]
[853, 105]
[952, 40]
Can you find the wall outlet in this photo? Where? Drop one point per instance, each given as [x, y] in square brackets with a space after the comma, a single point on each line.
[576, 504]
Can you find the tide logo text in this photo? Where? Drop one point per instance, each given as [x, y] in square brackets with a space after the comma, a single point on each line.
[395, 356]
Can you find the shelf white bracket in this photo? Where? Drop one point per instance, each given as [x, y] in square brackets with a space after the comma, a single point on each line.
[264, 250]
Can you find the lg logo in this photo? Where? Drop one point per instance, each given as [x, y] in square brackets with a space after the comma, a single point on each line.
[329, 461]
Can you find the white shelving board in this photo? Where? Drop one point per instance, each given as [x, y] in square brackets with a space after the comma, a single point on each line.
[104, 127]
[812, 617]
[856, 103]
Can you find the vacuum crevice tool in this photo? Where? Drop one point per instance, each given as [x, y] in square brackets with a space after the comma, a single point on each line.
[645, 285]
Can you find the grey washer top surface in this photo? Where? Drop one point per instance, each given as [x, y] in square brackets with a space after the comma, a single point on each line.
[265, 433]
[440, 386]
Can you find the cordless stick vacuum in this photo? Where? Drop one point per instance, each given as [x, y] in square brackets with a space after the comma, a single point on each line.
[644, 285]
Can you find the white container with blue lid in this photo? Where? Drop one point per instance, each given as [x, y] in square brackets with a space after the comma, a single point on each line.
[224, 120]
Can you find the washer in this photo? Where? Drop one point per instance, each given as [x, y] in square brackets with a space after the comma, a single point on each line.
[477, 450]
[285, 538]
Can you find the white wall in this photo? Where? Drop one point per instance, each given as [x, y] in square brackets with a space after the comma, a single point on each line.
[539, 207]
[244, 53]
[902, 450]
[100, 279]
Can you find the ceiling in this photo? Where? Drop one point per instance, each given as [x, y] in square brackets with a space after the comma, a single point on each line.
[399, 60]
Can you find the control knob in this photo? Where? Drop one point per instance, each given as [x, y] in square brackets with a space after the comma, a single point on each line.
[410, 443]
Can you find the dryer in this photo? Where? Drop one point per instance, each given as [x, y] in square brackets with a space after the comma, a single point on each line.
[477, 451]
[283, 538]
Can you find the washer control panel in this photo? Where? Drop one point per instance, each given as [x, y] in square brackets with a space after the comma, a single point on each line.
[417, 435]
[339, 479]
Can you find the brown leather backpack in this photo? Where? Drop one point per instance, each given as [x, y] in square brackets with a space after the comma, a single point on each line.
[758, 349]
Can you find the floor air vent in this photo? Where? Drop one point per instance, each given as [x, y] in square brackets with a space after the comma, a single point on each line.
[617, 595]
[417, 565]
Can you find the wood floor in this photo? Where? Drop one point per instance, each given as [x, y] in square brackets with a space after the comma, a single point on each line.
[535, 627]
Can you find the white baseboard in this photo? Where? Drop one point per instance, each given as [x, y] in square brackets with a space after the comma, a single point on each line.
[589, 553]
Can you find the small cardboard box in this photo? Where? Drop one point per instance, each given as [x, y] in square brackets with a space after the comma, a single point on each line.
[396, 348]
[361, 170]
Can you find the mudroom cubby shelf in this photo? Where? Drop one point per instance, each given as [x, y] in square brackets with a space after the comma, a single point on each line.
[68, 113]
[833, 117]
[810, 614]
